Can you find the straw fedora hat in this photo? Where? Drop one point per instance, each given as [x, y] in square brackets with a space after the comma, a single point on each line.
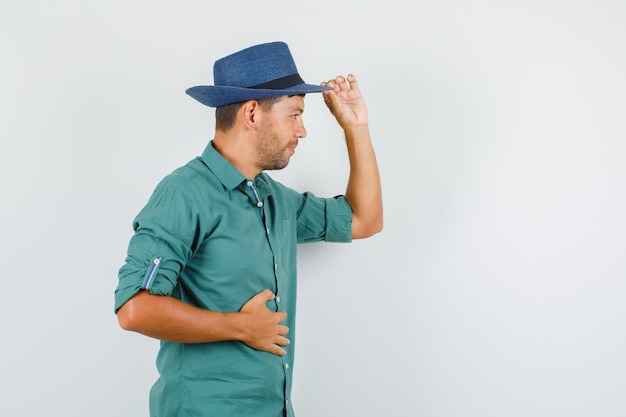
[260, 71]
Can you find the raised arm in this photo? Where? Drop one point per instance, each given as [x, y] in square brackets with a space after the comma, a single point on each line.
[364, 191]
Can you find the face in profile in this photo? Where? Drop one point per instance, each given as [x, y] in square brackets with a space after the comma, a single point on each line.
[280, 129]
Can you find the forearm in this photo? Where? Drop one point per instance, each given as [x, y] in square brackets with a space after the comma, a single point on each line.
[364, 192]
[172, 320]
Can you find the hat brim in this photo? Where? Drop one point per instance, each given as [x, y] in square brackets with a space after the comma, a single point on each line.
[217, 96]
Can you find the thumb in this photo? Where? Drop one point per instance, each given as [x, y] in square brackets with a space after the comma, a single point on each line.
[265, 296]
[258, 301]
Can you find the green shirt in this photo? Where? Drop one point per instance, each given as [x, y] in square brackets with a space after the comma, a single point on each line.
[214, 239]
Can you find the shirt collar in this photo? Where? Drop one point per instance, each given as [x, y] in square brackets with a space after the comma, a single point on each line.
[228, 174]
[223, 170]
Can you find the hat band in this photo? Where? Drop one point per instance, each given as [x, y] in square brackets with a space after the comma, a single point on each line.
[280, 83]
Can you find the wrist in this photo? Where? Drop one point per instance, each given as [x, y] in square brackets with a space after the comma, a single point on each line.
[357, 131]
[234, 326]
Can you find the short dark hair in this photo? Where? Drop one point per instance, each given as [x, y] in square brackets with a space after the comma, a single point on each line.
[225, 115]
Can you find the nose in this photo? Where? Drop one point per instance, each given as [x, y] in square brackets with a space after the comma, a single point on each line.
[301, 132]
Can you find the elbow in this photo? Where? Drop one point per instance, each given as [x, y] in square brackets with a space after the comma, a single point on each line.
[125, 318]
[364, 231]
[379, 227]
[128, 315]
[375, 228]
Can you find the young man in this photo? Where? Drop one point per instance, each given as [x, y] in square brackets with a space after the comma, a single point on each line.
[211, 268]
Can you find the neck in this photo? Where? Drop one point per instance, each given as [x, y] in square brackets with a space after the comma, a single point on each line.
[236, 149]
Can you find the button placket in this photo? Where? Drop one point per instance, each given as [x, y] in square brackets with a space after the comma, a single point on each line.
[259, 203]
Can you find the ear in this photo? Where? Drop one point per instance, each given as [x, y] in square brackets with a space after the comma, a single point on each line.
[249, 114]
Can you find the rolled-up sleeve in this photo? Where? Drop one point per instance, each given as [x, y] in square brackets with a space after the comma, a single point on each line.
[327, 219]
[166, 231]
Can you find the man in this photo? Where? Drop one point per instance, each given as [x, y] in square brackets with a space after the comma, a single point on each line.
[211, 268]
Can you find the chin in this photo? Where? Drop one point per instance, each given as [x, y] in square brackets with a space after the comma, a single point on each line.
[277, 166]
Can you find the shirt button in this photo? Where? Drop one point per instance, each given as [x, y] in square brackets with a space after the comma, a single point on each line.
[275, 267]
[278, 299]
[259, 204]
[249, 183]
[286, 366]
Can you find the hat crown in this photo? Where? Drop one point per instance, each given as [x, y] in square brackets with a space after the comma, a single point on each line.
[254, 66]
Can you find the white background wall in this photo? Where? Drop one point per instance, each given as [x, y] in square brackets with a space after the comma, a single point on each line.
[497, 286]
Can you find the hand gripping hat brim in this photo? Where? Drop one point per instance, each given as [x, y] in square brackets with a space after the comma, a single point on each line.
[260, 71]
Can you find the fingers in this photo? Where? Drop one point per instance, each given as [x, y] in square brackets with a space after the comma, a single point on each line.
[274, 346]
[264, 329]
[341, 83]
[283, 330]
[277, 351]
[352, 81]
[281, 315]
